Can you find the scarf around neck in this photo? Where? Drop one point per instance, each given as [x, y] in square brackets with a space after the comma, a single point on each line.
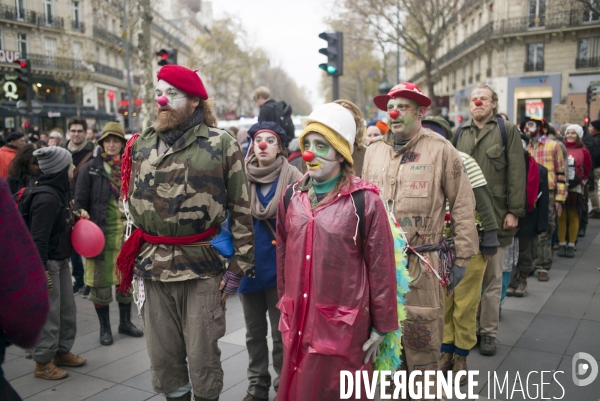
[76, 148]
[265, 175]
[114, 177]
[172, 136]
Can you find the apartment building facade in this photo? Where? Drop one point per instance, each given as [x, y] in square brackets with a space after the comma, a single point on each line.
[535, 54]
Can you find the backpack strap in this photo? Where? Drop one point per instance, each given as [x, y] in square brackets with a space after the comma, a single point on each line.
[502, 128]
[82, 162]
[456, 136]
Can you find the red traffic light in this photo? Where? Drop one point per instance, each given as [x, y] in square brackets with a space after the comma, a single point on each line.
[459, 119]
[164, 56]
[586, 120]
[22, 63]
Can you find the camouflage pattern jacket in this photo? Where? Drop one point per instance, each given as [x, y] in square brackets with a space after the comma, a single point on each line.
[185, 191]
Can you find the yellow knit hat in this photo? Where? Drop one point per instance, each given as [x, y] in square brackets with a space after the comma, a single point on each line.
[336, 140]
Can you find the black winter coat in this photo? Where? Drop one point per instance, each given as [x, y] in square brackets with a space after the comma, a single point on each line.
[92, 193]
[267, 111]
[536, 221]
[77, 158]
[51, 219]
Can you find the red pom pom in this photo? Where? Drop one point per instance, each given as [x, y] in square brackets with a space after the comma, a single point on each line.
[394, 114]
[447, 217]
[308, 156]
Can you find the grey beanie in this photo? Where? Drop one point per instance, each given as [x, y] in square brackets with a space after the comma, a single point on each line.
[53, 159]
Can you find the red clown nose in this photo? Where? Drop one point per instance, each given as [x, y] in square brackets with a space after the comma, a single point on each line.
[478, 102]
[394, 114]
[308, 156]
[162, 100]
[262, 145]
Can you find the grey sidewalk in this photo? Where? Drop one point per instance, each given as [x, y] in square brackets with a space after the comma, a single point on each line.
[540, 332]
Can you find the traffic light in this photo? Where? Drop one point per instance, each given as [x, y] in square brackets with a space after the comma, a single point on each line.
[167, 56]
[591, 91]
[586, 121]
[25, 70]
[334, 52]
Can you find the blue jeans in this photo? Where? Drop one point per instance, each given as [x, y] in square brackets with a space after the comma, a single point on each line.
[77, 264]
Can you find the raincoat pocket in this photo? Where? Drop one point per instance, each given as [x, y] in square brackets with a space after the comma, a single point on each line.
[420, 330]
[496, 156]
[333, 330]
[286, 306]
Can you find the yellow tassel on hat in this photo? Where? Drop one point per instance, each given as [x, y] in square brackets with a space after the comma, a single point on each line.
[336, 140]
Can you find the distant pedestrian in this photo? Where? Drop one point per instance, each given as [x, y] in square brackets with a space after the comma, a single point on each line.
[295, 156]
[269, 174]
[592, 143]
[14, 142]
[50, 220]
[579, 162]
[373, 131]
[359, 149]
[91, 135]
[270, 110]
[55, 137]
[24, 170]
[97, 197]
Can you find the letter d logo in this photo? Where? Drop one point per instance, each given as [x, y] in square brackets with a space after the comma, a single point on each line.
[590, 365]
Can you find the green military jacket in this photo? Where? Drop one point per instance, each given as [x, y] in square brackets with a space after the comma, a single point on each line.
[504, 169]
[185, 191]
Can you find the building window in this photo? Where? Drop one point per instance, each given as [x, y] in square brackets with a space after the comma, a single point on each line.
[97, 55]
[47, 6]
[589, 16]
[77, 51]
[1, 41]
[50, 47]
[589, 53]
[101, 99]
[535, 57]
[454, 79]
[537, 13]
[75, 16]
[20, 6]
[22, 44]
[488, 72]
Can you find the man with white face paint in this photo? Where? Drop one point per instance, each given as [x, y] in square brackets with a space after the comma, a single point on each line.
[417, 170]
[186, 178]
[335, 265]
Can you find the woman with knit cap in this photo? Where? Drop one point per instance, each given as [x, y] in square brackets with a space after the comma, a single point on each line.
[48, 215]
[335, 264]
[579, 166]
[97, 197]
[269, 174]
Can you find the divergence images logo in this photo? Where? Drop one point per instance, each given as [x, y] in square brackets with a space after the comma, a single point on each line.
[582, 365]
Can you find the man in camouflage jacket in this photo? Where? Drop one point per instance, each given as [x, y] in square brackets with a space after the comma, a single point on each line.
[186, 177]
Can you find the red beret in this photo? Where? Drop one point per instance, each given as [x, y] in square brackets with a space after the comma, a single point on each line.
[407, 90]
[183, 79]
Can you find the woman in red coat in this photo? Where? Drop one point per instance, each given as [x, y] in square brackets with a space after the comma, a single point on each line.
[335, 275]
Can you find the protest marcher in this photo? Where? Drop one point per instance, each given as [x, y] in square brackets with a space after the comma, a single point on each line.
[23, 287]
[47, 213]
[270, 110]
[373, 132]
[186, 178]
[295, 156]
[24, 170]
[592, 143]
[531, 225]
[496, 146]
[461, 306]
[359, 149]
[14, 142]
[97, 197]
[548, 153]
[55, 137]
[417, 170]
[579, 167]
[269, 174]
[336, 280]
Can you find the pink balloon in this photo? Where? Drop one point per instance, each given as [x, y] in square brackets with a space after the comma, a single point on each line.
[87, 238]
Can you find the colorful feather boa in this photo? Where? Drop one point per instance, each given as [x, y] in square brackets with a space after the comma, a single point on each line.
[391, 347]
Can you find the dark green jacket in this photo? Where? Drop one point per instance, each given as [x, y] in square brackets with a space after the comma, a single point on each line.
[501, 168]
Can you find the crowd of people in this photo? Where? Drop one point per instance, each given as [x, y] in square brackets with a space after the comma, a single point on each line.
[301, 228]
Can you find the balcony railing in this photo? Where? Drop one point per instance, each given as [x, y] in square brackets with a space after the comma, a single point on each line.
[587, 62]
[18, 14]
[51, 21]
[534, 66]
[101, 33]
[77, 26]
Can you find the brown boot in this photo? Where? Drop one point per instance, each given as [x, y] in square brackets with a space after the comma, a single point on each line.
[49, 371]
[68, 359]
[460, 364]
[445, 363]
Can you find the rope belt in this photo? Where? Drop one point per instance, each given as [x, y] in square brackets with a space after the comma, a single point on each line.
[446, 256]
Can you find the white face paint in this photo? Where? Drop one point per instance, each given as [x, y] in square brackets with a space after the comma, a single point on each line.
[326, 163]
[177, 98]
[265, 156]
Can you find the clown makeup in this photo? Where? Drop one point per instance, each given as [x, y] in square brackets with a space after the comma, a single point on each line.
[176, 98]
[403, 117]
[266, 147]
[531, 128]
[326, 163]
[482, 106]
[372, 132]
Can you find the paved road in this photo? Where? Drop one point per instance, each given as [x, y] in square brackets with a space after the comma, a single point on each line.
[540, 332]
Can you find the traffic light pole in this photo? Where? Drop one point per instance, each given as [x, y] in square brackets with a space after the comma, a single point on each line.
[29, 93]
[129, 99]
[336, 88]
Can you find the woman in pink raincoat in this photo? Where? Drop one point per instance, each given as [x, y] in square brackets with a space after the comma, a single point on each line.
[335, 275]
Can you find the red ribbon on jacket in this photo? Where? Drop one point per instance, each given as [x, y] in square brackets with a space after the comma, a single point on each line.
[533, 184]
[126, 167]
[131, 247]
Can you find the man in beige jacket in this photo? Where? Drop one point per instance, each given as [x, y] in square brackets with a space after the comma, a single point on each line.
[417, 170]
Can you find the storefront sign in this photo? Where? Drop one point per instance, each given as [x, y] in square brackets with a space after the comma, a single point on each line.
[10, 90]
[534, 108]
[53, 114]
[9, 56]
[569, 114]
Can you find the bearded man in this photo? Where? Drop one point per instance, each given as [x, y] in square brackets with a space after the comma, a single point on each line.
[186, 178]
[417, 170]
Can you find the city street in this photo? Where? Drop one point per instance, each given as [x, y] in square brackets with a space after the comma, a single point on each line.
[540, 332]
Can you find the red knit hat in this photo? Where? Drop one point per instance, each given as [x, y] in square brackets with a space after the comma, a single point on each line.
[406, 90]
[183, 79]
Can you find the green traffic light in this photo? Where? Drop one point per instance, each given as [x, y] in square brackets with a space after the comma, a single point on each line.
[331, 69]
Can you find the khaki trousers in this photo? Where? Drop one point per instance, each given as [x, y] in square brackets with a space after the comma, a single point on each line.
[461, 306]
[424, 325]
[183, 322]
[489, 307]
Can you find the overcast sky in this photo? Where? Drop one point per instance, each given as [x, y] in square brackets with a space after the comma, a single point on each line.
[289, 31]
